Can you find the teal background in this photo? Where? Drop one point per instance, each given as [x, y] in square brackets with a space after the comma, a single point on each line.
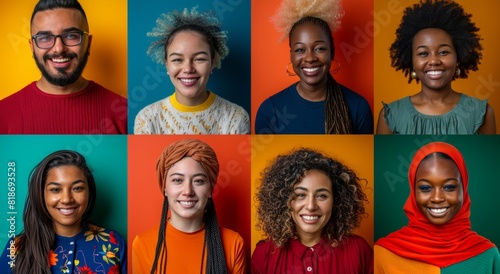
[106, 156]
[393, 155]
[148, 81]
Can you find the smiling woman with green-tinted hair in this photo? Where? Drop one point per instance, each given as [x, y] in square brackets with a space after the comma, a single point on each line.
[190, 44]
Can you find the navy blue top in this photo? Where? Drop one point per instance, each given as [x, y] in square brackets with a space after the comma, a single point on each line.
[93, 250]
[288, 113]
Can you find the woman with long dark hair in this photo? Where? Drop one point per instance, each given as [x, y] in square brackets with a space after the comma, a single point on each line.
[189, 239]
[58, 236]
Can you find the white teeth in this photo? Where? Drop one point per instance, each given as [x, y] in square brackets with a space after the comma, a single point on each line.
[188, 80]
[310, 69]
[310, 218]
[438, 210]
[66, 210]
[187, 203]
[434, 72]
[60, 60]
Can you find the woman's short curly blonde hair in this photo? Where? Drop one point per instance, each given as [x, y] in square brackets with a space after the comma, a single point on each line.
[292, 11]
[205, 23]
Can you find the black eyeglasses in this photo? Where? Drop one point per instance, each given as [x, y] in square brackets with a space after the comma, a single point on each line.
[70, 39]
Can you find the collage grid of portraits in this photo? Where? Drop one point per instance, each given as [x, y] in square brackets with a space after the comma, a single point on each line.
[128, 199]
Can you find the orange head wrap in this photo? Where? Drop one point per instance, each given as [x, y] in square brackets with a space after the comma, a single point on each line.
[198, 150]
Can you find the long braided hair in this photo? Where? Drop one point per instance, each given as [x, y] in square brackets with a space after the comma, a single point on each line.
[337, 117]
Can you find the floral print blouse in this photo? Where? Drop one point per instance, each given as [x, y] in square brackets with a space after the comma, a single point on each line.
[95, 250]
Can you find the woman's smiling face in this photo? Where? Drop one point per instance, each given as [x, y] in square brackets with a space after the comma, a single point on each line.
[310, 54]
[438, 189]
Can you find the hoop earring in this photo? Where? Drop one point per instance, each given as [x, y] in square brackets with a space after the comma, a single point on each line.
[288, 72]
[337, 68]
[413, 74]
[457, 72]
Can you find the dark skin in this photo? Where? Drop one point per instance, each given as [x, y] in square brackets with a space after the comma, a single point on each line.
[435, 62]
[311, 59]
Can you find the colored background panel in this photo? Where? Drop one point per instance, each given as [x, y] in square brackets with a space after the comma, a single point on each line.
[353, 50]
[149, 82]
[107, 64]
[231, 195]
[106, 155]
[393, 155]
[391, 85]
[353, 151]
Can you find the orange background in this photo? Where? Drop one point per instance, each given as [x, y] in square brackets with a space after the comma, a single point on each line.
[231, 195]
[107, 64]
[354, 151]
[353, 50]
[391, 85]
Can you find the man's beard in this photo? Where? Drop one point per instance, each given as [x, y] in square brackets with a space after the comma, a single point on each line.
[62, 79]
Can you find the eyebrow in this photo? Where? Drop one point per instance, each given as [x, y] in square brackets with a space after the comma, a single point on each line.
[194, 54]
[317, 190]
[442, 45]
[194, 175]
[73, 183]
[45, 32]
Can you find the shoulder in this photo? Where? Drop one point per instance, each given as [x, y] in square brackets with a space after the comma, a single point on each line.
[18, 95]
[155, 107]
[230, 235]
[97, 88]
[283, 95]
[94, 232]
[263, 250]
[356, 245]
[146, 238]
[229, 105]
[351, 94]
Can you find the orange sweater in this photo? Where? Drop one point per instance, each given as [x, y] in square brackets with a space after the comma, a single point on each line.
[184, 251]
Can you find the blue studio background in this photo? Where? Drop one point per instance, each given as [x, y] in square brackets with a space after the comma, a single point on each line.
[148, 81]
[106, 156]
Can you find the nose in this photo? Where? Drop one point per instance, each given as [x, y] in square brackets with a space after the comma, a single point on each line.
[437, 196]
[188, 67]
[187, 189]
[58, 45]
[67, 197]
[311, 203]
[434, 59]
[310, 56]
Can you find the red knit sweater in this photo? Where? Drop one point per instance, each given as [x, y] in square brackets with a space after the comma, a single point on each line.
[93, 110]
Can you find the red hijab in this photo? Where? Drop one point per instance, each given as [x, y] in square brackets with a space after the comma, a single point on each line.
[439, 245]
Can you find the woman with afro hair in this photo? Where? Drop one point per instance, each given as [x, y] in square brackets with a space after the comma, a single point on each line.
[436, 43]
[309, 205]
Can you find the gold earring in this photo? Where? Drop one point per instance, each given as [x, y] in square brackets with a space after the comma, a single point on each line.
[413, 74]
[457, 72]
[337, 68]
[288, 72]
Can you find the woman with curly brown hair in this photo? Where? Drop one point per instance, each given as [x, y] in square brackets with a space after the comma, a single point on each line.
[436, 43]
[309, 205]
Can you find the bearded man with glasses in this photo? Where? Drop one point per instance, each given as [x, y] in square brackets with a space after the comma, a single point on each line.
[62, 101]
